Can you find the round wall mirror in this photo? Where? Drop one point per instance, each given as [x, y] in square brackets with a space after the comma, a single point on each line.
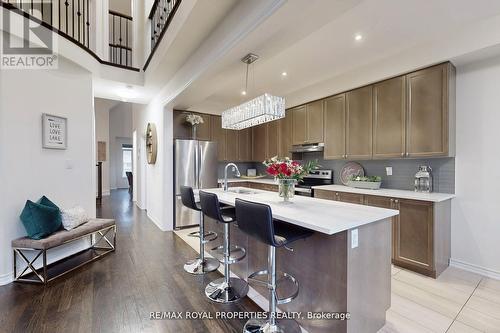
[151, 143]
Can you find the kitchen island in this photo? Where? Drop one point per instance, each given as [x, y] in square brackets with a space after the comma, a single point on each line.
[343, 267]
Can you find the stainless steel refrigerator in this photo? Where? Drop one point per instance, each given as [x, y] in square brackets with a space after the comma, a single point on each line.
[195, 165]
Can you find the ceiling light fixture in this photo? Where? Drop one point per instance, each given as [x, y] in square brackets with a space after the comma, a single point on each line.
[262, 109]
[244, 92]
[358, 37]
[284, 74]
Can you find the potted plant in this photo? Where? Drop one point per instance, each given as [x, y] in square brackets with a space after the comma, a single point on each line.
[288, 173]
[365, 182]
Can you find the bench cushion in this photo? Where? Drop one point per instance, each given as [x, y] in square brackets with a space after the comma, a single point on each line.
[62, 236]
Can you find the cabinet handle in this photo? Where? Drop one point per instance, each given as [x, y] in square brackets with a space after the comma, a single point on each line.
[336, 194]
[392, 200]
[396, 201]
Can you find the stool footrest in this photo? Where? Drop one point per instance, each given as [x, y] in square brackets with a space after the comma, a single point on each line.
[236, 253]
[209, 236]
[282, 277]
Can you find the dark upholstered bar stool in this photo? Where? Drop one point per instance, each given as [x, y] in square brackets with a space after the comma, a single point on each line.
[199, 265]
[256, 220]
[226, 289]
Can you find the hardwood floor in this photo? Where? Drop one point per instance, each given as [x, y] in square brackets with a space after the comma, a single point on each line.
[118, 292]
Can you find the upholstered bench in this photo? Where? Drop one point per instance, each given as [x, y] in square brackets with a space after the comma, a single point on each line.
[96, 229]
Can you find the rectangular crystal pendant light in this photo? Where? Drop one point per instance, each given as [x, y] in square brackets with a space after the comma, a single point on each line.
[262, 109]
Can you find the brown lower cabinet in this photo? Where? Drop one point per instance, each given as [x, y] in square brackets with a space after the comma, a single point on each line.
[257, 186]
[420, 233]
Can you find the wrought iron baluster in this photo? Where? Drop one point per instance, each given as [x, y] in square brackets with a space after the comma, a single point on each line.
[78, 13]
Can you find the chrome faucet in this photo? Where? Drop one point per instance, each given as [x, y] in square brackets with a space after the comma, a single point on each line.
[234, 169]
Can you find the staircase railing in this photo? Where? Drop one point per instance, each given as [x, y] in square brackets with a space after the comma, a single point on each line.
[72, 20]
[160, 16]
[120, 38]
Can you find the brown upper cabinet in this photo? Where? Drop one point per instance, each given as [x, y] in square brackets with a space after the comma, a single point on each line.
[245, 145]
[285, 136]
[232, 145]
[259, 142]
[266, 140]
[307, 123]
[335, 127]
[218, 135]
[431, 104]
[389, 118]
[359, 104]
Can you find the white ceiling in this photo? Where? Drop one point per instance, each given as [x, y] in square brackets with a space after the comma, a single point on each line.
[314, 42]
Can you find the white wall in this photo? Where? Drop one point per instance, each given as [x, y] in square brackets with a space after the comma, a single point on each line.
[120, 132]
[475, 211]
[102, 134]
[27, 171]
[154, 181]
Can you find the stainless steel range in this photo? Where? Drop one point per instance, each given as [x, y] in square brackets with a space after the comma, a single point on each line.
[315, 178]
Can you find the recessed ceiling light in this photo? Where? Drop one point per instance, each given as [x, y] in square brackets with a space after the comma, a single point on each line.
[358, 37]
[284, 74]
[244, 93]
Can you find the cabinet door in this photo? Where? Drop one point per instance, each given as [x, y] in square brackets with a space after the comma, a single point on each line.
[359, 123]
[218, 134]
[259, 143]
[299, 125]
[334, 127]
[389, 117]
[285, 136]
[384, 202]
[324, 194]
[427, 91]
[272, 139]
[203, 130]
[350, 197]
[376, 201]
[232, 145]
[315, 122]
[414, 227]
[245, 145]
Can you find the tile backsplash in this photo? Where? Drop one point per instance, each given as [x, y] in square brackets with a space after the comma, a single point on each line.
[403, 171]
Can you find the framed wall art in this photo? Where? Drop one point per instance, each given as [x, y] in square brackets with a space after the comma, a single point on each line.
[54, 132]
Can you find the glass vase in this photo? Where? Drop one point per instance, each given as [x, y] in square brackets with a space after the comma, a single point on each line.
[286, 189]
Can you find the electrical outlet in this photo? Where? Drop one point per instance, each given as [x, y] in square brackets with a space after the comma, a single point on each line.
[354, 238]
[388, 171]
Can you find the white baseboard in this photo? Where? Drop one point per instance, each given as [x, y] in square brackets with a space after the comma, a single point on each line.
[475, 269]
[155, 221]
[6, 278]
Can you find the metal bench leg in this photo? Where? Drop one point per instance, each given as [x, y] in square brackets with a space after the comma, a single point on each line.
[30, 266]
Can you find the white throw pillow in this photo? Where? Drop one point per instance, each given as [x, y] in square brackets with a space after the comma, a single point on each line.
[73, 217]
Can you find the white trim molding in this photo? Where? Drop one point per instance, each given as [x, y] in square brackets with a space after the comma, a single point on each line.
[475, 269]
[6, 278]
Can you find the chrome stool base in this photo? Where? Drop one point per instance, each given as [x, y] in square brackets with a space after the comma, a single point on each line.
[263, 326]
[221, 292]
[199, 267]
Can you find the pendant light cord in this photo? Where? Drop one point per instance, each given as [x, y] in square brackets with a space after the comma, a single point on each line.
[246, 79]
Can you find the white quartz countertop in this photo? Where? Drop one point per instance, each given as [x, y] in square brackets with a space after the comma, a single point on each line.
[325, 216]
[383, 192]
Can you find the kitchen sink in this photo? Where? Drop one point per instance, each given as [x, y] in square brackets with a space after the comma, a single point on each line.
[241, 190]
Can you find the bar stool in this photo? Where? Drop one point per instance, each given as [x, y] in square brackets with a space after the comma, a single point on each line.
[199, 265]
[226, 289]
[256, 220]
